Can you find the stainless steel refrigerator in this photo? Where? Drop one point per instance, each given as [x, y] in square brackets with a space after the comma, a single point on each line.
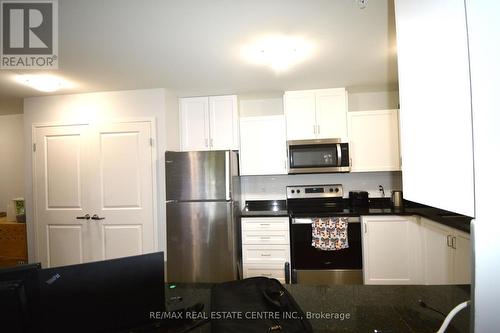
[202, 216]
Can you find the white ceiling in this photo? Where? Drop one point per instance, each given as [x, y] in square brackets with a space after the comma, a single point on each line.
[192, 46]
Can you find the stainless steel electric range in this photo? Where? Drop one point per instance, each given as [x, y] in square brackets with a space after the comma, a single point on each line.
[313, 266]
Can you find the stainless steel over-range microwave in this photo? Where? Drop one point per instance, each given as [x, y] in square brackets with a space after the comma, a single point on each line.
[318, 156]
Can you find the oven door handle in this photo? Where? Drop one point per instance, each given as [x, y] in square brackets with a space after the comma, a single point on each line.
[301, 221]
[305, 220]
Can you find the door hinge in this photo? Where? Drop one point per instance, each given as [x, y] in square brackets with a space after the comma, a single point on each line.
[151, 142]
[34, 147]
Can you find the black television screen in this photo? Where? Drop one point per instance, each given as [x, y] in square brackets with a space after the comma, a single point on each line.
[105, 296]
[19, 298]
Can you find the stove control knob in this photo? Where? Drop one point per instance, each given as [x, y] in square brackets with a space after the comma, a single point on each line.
[331, 190]
[337, 190]
[293, 191]
[298, 191]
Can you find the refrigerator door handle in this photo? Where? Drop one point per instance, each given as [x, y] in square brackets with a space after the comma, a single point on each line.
[228, 176]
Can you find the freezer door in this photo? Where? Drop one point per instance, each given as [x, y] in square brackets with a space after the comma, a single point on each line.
[201, 242]
[198, 175]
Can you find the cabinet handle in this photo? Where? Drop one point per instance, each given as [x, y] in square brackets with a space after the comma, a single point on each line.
[84, 217]
[319, 129]
[206, 143]
[454, 242]
[366, 228]
[265, 255]
[211, 143]
[314, 129]
[265, 224]
[266, 274]
[448, 240]
[96, 217]
[265, 237]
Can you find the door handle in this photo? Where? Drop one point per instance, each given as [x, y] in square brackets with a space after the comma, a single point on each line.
[448, 240]
[84, 217]
[454, 242]
[96, 217]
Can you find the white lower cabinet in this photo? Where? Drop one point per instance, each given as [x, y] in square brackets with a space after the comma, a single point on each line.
[391, 250]
[265, 246]
[447, 254]
[414, 250]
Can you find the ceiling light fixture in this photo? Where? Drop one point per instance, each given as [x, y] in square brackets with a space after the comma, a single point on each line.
[43, 82]
[277, 51]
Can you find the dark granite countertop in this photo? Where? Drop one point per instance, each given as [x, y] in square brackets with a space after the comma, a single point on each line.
[384, 308]
[264, 208]
[377, 206]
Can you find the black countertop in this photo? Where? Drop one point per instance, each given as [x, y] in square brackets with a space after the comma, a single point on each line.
[363, 308]
[377, 206]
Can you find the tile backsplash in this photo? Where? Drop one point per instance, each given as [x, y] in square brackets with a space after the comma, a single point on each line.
[273, 187]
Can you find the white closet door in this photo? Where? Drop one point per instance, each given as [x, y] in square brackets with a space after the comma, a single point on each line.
[61, 171]
[122, 192]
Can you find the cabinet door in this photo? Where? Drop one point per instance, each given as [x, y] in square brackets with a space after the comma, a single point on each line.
[331, 113]
[434, 91]
[262, 146]
[223, 123]
[462, 259]
[391, 250]
[194, 123]
[300, 113]
[438, 254]
[374, 140]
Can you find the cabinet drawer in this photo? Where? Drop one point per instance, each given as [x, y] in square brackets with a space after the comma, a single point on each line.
[270, 271]
[264, 223]
[265, 237]
[266, 254]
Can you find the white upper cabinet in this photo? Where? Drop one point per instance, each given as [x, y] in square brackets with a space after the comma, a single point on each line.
[435, 99]
[316, 114]
[209, 123]
[331, 113]
[195, 125]
[374, 140]
[262, 145]
[300, 111]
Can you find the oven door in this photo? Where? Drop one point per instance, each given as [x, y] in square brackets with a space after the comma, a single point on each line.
[310, 264]
[316, 156]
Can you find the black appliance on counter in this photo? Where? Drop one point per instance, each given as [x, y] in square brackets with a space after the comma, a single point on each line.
[309, 264]
[358, 199]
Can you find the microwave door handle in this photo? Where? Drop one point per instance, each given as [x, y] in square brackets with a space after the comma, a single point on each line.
[339, 155]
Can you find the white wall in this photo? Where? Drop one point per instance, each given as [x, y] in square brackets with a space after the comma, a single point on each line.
[379, 100]
[484, 29]
[12, 159]
[273, 187]
[11, 106]
[260, 107]
[272, 104]
[152, 103]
